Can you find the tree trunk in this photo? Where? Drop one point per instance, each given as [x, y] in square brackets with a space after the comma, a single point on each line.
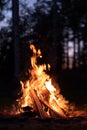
[15, 18]
[74, 48]
[78, 53]
[54, 36]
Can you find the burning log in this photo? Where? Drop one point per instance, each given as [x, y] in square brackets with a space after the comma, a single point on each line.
[28, 112]
[53, 113]
[42, 113]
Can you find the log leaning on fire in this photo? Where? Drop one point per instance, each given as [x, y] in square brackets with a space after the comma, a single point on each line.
[42, 113]
[54, 114]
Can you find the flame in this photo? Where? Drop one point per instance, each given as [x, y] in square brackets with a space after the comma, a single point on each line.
[46, 92]
[41, 83]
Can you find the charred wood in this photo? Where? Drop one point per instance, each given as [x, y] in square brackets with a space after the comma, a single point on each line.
[28, 112]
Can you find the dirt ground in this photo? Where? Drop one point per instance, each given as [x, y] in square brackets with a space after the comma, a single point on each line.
[27, 123]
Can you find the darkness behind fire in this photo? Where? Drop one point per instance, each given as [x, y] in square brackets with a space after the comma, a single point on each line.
[59, 29]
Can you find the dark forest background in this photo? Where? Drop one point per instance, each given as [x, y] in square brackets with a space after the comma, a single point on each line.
[59, 29]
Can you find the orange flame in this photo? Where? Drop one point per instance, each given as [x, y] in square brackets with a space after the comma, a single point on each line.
[41, 83]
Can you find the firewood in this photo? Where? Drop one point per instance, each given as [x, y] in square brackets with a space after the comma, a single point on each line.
[54, 113]
[28, 112]
[27, 108]
[42, 113]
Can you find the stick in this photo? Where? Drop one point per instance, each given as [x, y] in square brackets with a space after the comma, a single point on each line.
[55, 112]
[42, 113]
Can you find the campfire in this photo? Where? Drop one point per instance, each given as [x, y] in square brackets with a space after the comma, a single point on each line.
[39, 94]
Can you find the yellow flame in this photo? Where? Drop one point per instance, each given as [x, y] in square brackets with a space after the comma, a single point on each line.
[49, 86]
[41, 83]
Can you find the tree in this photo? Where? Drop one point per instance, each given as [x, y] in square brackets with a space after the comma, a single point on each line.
[2, 4]
[15, 17]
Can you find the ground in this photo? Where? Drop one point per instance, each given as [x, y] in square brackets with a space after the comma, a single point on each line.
[27, 123]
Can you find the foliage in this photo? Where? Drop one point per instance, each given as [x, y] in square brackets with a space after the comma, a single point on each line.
[3, 3]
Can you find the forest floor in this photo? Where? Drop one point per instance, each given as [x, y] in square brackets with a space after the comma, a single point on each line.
[15, 123]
